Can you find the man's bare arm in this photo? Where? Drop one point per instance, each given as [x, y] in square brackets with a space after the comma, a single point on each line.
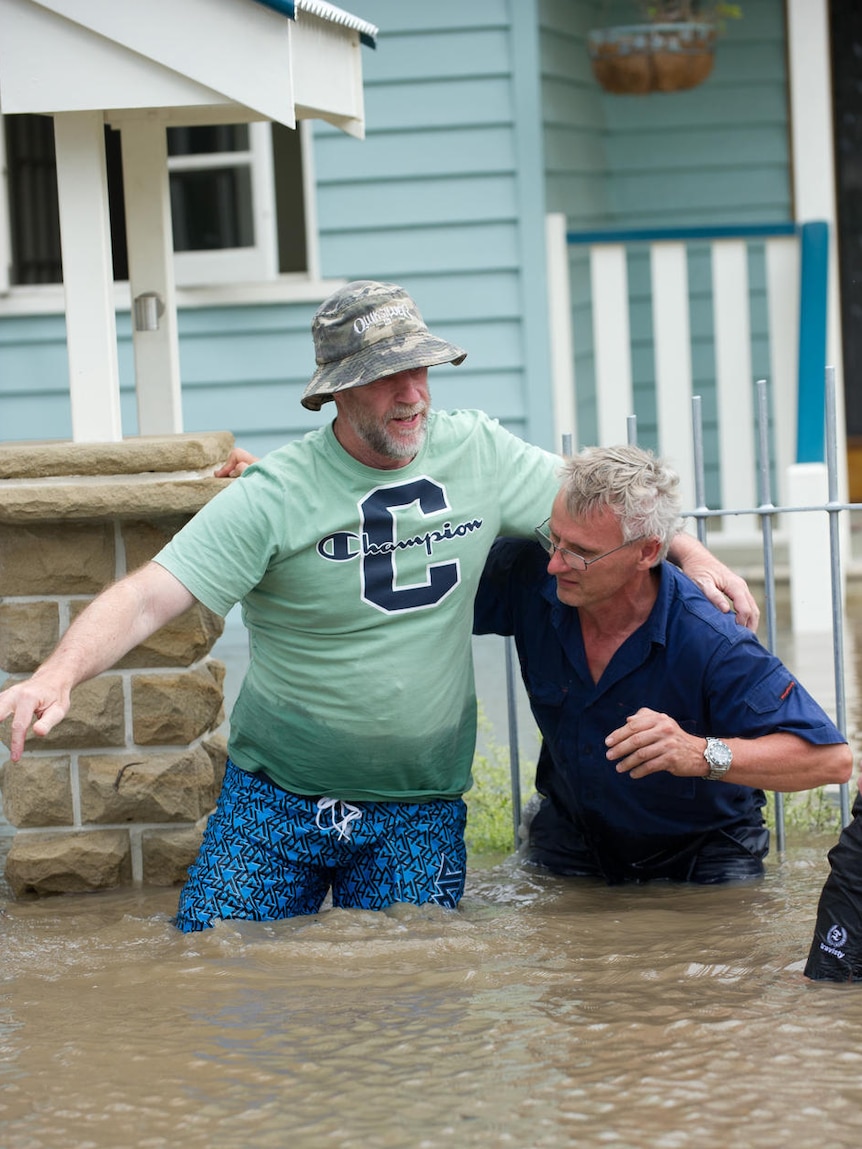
[650, 741]
[122, 616]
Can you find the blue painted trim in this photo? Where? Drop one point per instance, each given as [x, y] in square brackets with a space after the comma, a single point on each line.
[367, 32]
[283, 7]
[811, 386]
[655, 234]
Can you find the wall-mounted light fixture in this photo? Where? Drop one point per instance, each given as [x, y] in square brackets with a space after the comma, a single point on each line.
[149, 307]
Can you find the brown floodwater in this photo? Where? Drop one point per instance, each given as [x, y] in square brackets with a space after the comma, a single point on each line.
[544, 1012]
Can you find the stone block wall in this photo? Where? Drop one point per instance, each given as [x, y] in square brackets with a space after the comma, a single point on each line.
[119, 792]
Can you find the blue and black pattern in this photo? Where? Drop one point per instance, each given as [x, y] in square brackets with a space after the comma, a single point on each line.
[267, 854]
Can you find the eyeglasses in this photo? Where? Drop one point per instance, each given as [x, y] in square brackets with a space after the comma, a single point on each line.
[570, 558]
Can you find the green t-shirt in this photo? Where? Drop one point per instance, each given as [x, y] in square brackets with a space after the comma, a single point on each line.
[357, 590]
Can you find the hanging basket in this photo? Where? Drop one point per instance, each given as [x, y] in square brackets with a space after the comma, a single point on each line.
[637, 59]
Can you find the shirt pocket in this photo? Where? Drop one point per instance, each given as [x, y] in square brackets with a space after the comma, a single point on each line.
[544, 691]
[770, 693]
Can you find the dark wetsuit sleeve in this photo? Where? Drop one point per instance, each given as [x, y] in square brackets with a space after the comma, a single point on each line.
[836, 950]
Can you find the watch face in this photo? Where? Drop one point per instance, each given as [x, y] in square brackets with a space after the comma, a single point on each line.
[719, 752]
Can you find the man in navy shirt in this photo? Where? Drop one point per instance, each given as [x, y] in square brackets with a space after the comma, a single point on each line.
[663, 720]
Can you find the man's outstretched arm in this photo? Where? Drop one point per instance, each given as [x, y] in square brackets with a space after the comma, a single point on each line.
[122, 616]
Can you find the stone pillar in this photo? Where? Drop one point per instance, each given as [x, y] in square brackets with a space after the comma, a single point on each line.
[119, 792]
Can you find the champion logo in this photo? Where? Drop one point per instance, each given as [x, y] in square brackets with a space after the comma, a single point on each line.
[346, 545]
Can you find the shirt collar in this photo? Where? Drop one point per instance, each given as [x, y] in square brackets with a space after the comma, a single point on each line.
[655, 627]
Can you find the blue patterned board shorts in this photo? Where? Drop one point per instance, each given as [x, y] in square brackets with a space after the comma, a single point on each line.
[269, 854]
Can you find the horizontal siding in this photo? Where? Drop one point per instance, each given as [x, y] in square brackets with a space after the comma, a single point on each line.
[244, 369]
[718, 153]
[757, 197]
[34, 379]
[399, 252]
[434, 197]
[471, 100]
[442, 52]
[479, 200]
[676, 149]
[394, 16]
[444, 151]
[572, 116]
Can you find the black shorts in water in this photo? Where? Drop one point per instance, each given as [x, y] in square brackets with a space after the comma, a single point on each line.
[836, 951]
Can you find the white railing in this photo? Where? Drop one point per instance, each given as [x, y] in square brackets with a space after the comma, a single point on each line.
[671, 336]
[795, 308]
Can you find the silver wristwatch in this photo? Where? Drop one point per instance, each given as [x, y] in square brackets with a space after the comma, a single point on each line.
[719, 758]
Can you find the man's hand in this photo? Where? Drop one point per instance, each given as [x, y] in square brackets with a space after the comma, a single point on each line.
[235, 464]
[42, 700]
[722, 587]
[650, 742]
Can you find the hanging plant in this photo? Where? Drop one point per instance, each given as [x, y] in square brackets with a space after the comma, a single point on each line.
[673, 50]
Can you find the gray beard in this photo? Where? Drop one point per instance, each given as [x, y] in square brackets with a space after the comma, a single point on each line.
[382, 443]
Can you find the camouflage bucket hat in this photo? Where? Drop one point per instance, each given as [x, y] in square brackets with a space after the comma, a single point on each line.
[366, 331]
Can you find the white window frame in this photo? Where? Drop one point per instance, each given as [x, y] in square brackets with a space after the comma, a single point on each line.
[236, 264]
[5, 223]
[211, 278]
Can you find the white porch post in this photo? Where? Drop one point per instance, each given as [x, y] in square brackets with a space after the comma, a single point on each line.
[612, 341]
[814, 199]
[560, 325]
[672, 336]
[88, 278]
[151, 273]
[734, 380]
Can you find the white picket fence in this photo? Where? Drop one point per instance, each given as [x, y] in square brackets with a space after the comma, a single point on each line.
[612, 353]
[801, 540]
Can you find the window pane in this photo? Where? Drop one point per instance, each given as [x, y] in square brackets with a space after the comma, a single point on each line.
[289, 199]
[34, 216]
[33, 211]
[212, 209]
[209, 139]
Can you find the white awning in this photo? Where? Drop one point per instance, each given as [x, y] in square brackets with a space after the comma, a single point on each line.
[192, 61]
[142, 67]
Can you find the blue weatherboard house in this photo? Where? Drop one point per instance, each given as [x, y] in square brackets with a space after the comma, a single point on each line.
[599, 253]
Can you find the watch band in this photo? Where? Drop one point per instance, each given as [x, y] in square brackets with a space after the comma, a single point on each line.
[719, 759]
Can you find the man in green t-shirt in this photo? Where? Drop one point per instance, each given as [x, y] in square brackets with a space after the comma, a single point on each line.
[355, 553]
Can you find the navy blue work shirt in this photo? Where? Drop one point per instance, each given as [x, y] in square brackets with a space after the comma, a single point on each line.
[687, 660]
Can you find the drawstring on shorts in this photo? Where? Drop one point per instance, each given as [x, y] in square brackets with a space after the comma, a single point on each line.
[341, 818]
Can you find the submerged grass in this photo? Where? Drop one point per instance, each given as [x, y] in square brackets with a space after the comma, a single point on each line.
[813, 811]
[490, 828]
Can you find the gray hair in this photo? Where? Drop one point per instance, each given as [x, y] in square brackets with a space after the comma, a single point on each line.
[641, 490]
